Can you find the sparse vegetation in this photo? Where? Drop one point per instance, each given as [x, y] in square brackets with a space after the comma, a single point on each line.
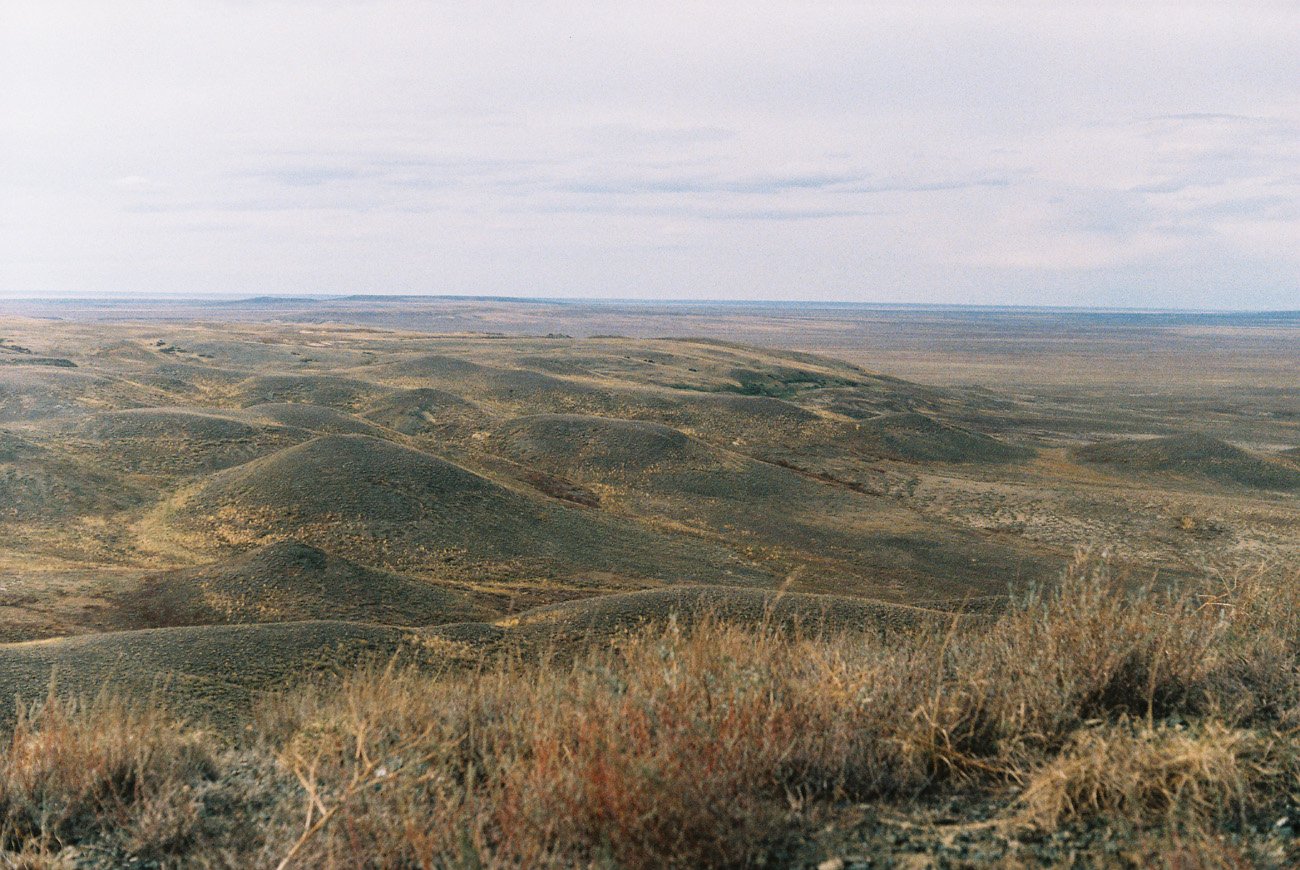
[1195, 455]
[340, 596]
[1131, 714]
[286, 582]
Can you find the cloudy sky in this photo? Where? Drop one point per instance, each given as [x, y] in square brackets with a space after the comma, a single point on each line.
[1063, 153]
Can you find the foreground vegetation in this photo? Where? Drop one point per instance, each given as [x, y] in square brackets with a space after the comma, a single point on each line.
[1098, 722]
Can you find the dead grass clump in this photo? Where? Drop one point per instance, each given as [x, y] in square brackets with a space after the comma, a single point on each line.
[72, 772]
[988, 698]
[1148, 775]
[713, 746]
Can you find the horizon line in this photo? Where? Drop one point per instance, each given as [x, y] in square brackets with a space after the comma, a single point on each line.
[237, 298]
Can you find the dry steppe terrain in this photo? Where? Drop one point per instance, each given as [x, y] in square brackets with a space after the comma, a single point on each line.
[202, 506]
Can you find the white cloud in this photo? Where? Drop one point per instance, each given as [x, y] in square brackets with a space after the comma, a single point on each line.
[987, 152]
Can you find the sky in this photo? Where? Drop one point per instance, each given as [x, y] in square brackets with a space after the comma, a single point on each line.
[1053, 153]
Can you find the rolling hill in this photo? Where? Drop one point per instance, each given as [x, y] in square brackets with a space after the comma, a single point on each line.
[286, 582]
[40, 484]
[216, 672]
[206, 671]
[177, 441]
[1194, 455]
[296, 489]
[314, 418]
[915, 437]
[390, 505]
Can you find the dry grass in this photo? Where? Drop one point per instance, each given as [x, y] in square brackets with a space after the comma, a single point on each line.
[1167, 711]
[1149, 775]
[71, 772]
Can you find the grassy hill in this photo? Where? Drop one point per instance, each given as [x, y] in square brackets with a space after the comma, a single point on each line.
[593, 447]
[423, 411]
[860, 543]
[386, 504]
[212, 667]
[651, 601]
[314, 418]
[914, 437]
[331, 391]
[606, 616]
[285, 582]
[205, 671]
[1193, 455]
[177, 441]
[38, 484]
[29, 394]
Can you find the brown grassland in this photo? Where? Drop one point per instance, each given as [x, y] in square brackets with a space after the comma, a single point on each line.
[477, 583]
[1138, 724]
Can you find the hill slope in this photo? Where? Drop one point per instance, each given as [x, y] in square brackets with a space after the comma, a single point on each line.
[216, 671]
[390, 505]
[424, 410]
[1193, 455]
[314, 418]
[915, 437]
[202, 670]
[605, 615]
[860, 543]
[178, 441]
[285, 582]
[37, 483]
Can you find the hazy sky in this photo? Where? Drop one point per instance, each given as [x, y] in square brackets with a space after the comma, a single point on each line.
[1019, 152]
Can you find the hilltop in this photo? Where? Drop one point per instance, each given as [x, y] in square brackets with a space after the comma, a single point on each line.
[1194, 455]
[285, 582]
